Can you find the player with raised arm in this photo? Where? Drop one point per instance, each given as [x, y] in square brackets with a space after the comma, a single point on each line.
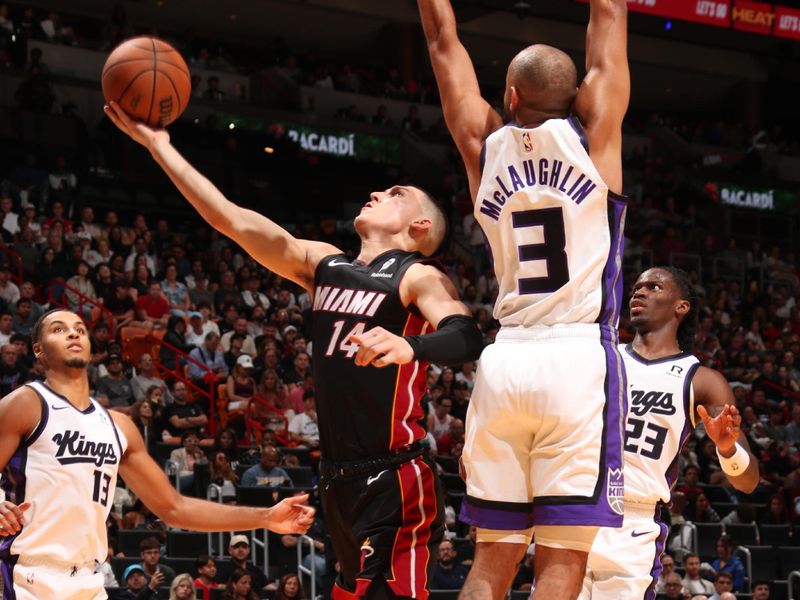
[60, 452]
[373, 336]
[544, 427]
[668, 391]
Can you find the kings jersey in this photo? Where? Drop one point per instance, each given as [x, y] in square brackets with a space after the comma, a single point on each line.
[364, 411]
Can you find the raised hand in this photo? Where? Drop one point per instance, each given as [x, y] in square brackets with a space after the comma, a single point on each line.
[137, 131]
[723, 429]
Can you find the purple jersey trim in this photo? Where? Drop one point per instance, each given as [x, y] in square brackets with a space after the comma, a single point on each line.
[612, 272]
[655, 572]
[7, 573]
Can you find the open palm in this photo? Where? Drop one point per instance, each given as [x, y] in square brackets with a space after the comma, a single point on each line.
[723, 428]
[136, 130]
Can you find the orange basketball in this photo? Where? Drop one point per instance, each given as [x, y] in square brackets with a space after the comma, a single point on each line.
[149, 79]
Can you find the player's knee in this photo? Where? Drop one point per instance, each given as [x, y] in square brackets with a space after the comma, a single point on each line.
[561, 537]
[513, 536]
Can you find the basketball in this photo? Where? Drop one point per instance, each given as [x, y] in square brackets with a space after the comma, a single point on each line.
[149, 79]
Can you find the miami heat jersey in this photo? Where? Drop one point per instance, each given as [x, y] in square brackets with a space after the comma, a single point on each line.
[660, 419]
[553, 227]
[364, 411]
[67, 470]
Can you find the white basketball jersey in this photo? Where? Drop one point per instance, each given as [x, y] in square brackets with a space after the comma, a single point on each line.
[553, 227]
[660, 418]
[67, 470]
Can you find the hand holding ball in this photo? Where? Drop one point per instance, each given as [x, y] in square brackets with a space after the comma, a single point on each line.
[149, 79]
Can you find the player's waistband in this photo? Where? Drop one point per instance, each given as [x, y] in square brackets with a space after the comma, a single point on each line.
[56, 564]
[353, 469]
[535, 333]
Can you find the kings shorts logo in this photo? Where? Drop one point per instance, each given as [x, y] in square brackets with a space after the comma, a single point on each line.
[615, 490]
[527, 141]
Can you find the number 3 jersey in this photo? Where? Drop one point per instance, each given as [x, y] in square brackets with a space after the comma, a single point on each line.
[67, 470]
[660, 419]
[553, 227]
[364, 411]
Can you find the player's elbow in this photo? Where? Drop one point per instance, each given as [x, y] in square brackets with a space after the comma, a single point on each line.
[609, 7]
[746, 485]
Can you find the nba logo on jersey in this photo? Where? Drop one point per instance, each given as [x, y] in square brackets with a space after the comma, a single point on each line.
[527, 141]
[615, 491]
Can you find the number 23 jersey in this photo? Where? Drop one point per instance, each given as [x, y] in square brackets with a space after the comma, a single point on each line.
[364, 411]
[660, 419]
[553, 227]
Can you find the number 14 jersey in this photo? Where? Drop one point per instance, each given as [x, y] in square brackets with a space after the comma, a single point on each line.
[660, 419]
[553, 227]
[364, 411]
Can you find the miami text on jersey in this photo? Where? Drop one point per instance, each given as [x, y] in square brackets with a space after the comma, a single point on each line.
[571, 182]
[74, 448]
[344, 300]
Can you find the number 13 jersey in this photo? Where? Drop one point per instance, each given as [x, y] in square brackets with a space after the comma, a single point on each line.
[660, 419]
[553, 227]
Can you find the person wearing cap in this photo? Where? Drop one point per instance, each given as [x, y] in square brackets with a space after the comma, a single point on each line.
[241, 386]
[137, 586]
[239, 549]
[267, 473]
[196, 330]
[115, 385]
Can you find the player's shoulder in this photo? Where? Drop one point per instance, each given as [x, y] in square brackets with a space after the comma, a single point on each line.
[21, 410]
[709, 383]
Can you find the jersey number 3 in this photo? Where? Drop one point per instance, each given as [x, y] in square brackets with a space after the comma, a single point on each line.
[552, 249]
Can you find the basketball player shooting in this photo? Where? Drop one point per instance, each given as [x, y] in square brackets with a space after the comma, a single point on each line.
[372, 338]
[60, 452]
[544, 427]
[669, 390]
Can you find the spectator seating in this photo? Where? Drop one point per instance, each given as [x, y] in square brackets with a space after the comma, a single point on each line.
[775, 535]
[745, 534]
[707, 536]
[186, 544]
[128, 540]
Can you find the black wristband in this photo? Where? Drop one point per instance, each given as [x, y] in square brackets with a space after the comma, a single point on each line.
[457, 339]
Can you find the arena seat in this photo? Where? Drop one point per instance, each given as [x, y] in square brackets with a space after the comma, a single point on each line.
[775, 535]
[186, 544]
[707, 536]
[743, 534]
[764, 562]
[789, 557]
[120, 563]
[128, 540]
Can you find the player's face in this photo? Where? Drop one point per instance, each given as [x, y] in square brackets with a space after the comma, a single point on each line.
[64, 341]
[654, 299]
[391, 210]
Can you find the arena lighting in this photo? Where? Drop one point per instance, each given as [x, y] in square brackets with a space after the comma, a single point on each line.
[269, 150]
[668, 25]
[231, 125]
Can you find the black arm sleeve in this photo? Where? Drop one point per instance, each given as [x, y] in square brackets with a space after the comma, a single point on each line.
[457, 339]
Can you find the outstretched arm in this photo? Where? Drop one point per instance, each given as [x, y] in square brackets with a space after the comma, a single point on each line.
[264, 240]
[150, 484]
[716, 407]
[604, 95]
[469, 117]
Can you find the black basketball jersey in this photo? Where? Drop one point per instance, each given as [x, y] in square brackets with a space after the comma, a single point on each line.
[364, 411]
